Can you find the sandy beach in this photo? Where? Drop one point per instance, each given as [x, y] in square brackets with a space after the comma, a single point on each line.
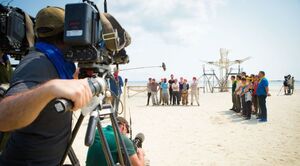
[66, 55]
[212, 135]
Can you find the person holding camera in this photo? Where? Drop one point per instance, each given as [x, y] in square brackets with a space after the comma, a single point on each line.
[39, 134]
[286, 85]
[95, 155]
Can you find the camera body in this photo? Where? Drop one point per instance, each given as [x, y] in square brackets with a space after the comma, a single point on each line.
[93, 37]
[287, 77]
[13, 31]
[82, 32]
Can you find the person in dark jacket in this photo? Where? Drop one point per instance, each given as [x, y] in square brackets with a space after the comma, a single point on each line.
[234, 108]
[171, 81]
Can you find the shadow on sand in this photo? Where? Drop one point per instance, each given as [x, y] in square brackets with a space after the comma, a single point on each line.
[236, 117]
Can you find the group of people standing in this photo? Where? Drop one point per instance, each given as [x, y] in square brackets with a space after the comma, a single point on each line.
[249, 95]
[172, 91]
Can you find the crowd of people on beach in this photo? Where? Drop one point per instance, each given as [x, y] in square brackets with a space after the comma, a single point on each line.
[172, 91]
[249, 95]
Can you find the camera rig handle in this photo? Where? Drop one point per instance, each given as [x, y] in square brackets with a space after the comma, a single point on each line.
[97, 85]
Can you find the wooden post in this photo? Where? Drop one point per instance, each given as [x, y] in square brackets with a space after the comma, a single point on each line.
[125, 99]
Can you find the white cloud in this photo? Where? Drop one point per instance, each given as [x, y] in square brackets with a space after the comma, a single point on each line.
[168, 31]
[171, 19]
[181, 32]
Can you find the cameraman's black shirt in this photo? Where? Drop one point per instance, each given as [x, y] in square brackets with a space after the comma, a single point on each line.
[44, 141]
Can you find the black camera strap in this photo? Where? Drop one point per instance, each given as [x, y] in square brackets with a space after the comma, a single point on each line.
[30, 38]
[29, 30]
[105, 6]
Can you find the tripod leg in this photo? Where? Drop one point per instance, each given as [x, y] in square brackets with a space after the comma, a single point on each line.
[74, 160]
[280, 91]
[119, 140]
[105, 147]
[74, 133]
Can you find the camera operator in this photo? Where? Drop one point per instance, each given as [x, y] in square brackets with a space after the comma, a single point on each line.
[39, 133]
[286, 84]
[96, 155]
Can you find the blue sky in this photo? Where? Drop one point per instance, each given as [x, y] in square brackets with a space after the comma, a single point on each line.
[181, 33]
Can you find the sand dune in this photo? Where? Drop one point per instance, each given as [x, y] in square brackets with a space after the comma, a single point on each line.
[211, 135]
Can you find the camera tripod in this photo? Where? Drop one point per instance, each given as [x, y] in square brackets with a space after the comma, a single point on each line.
[280, 90]
[96, 110]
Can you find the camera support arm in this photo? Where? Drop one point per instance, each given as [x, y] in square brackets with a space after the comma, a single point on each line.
[98, 85]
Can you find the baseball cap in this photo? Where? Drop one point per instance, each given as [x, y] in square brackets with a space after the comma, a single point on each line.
[49, 21]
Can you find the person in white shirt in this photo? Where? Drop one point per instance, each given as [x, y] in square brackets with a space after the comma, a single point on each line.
[154, 89]
[176, 97]
[194, 91]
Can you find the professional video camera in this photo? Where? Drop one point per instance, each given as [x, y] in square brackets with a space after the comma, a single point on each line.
[286, 80]
[95, 38]
[16, 31]
[287, 77]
